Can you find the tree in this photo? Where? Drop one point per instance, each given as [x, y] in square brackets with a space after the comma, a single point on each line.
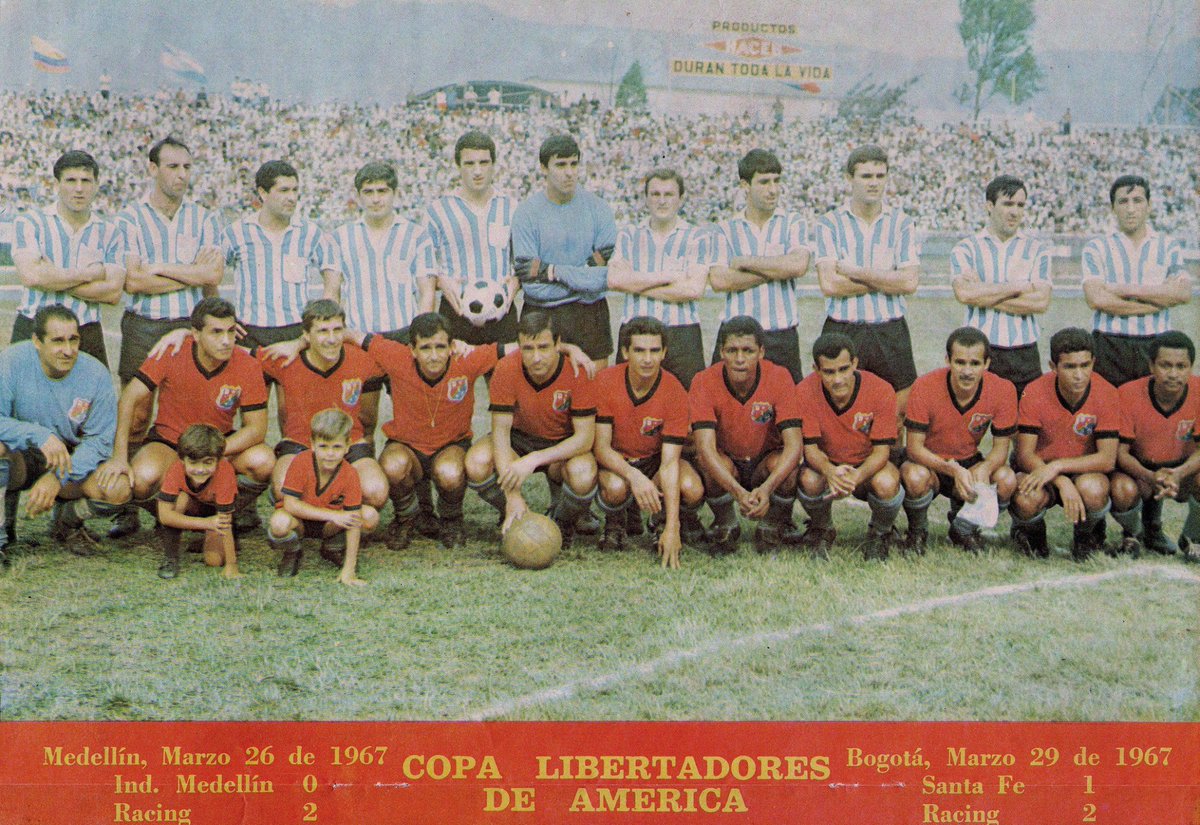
[631, 94]
[870, 101]
[996, 36]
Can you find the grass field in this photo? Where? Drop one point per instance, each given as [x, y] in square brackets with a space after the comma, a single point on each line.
[461, 635]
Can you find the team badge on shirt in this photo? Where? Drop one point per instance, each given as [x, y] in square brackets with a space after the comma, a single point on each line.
[351, 391]
[979, 423]
[1085, 425]
[863, 422]
[456, 388]
[562, 400]
[762, 412]
[651, 426]
[228, 397]
[79, 410]
[1184, 431]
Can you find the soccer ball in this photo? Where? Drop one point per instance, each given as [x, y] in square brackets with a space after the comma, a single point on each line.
[532, 542]
[483, 301]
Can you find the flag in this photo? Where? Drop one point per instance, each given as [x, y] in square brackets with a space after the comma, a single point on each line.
[48, 58]
[810, 87]
[183, 64]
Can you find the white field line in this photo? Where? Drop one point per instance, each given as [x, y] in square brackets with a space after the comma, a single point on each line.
[675, 658]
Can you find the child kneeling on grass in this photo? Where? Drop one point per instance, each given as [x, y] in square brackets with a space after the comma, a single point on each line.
[321, 493]
[197, 493]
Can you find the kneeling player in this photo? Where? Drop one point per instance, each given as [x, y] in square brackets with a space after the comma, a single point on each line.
[949, 411]
[747, 428]
[641, 424]
[1066, 445]
[322, 497]
[543, 420]
[1157, 458]
[197, 493]
[849, 429]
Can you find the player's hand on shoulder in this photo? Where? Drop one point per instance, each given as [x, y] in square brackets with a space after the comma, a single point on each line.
[170, 344]
[285, 351]
[579, 360]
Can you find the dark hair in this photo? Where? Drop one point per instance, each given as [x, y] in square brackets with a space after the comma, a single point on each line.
[474, 140]
[169, 140]
[1004, 185]
[871, 153]
[758, 162]
[272, 171]
[557, 146]
[41, 318]
[377, 171]
[663, 174]
[969, 337]
[533, 324]
[427, 325]
[1069, 340]
[201, 441]
[831, 345]
[212, 307]
[1173, 339]
[642, 325]
[1127, 182]
[75, 159]
[740, 325]
[321, 309]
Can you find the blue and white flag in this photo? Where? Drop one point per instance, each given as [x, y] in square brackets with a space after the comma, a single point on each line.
[183, 64]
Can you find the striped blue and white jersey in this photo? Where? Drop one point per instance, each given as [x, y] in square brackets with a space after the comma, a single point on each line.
[685, 246]
[271, 273]
[381, 275]
[46, 233]
[1115, 259]
[471, 245]
[155, 239]
[773, 303]
[888, 242]
[1022, 258]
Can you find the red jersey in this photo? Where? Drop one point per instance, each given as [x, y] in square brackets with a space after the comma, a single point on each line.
[641, 426]
[428, 415]
[848, 435]
[953, 432]
[187, 394]
[748, 426]
[1064, 431]
[543, 410]
[343, 491]
[1159, 437]
[219, 491]
[308, 390]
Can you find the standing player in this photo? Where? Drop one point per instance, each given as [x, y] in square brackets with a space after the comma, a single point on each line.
[667, 245]
[641, 424]
[849, 430]
[1131, 278]
[747, 428]
[760, 254]
[273, 253]
[1002, 275]
[867, 261]
[66, 255]
[469, 228]
[543, 420]
[1066, 446]
[1157, 458]
[949, 412]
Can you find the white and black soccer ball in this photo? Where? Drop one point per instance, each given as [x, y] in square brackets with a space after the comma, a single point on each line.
[483, 301]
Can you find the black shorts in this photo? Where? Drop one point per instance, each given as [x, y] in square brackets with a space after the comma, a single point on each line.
[744, 469]
[359, 450]
[946, 483]
[35, 468]
[503, 331]
[523, 444]
[648, 466]
[884, 349]
[426, 459]
[91, 337]
[1020, 365]
[265, 336]
[584, 325]
[138, 335]
[1121, 358]
[685, 352]
[780, 346]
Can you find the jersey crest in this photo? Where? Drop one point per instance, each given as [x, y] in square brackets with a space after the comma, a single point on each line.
[351, 391]
[228, 396]
[651, 426]
[1183, 432]
[863, 422]
[979, 423]
[1085, 425]
[456, 388]
[562, 400]
[762, 412]
[79, 410]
